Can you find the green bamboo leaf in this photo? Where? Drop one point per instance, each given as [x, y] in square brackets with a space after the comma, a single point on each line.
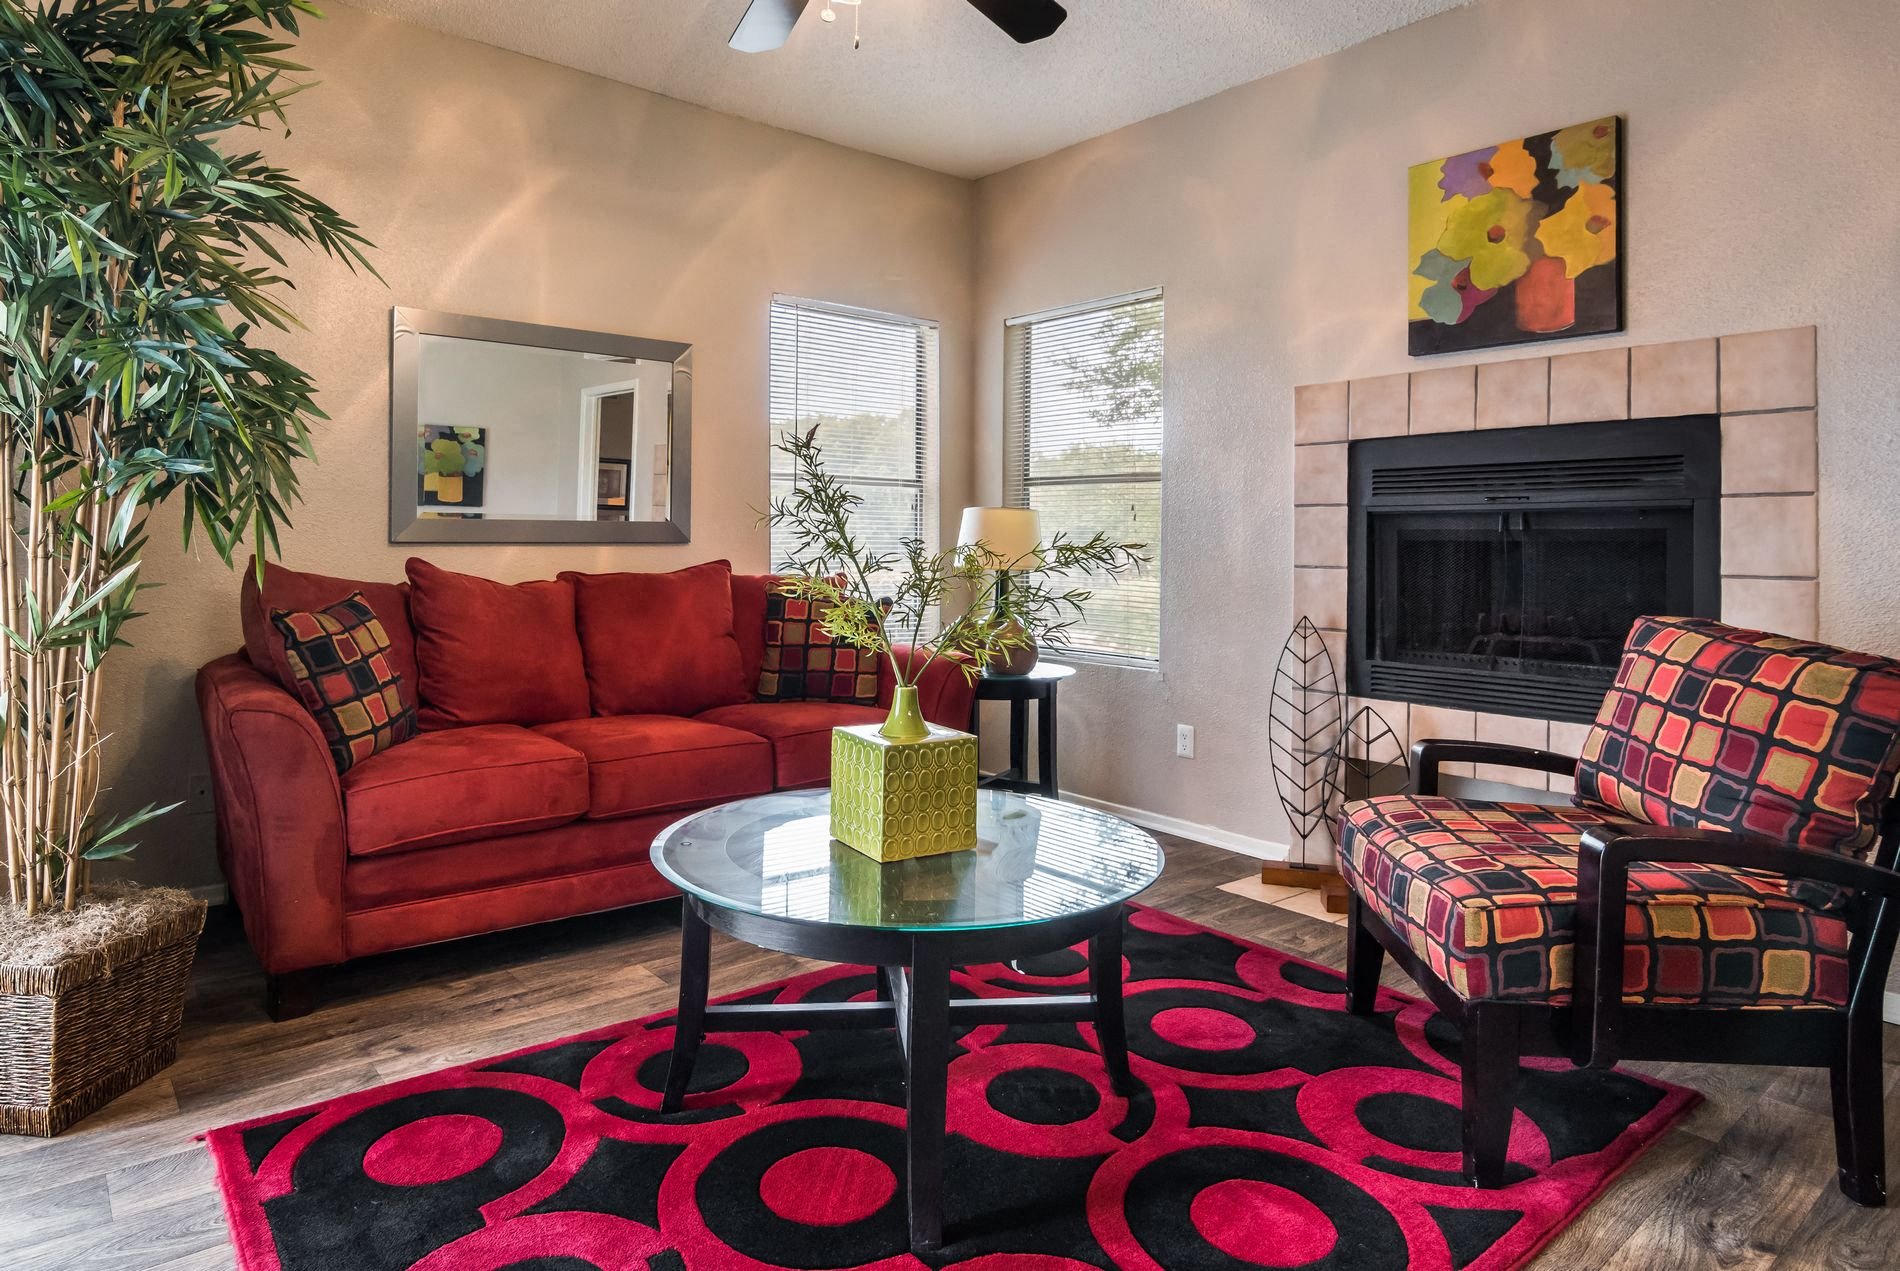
[125, 825]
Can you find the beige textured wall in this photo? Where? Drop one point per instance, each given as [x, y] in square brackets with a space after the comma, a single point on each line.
[501, 186]
[1759, 197]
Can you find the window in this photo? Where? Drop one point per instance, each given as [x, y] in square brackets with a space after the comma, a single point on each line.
[868, 381]
[1082, 445]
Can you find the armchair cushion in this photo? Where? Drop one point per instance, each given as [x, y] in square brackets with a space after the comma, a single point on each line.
[1715, 727]
[1485, 894]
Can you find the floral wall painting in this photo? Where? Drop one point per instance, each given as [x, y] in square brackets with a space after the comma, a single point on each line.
[451, 469]
[1518, 242]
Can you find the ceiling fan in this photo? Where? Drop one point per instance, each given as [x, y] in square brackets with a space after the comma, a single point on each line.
[767, 23]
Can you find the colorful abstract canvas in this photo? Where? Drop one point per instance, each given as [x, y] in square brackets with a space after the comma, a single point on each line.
[451, 467]
[1518, 242]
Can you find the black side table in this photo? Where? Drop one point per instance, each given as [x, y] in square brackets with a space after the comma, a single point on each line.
[1038, 686]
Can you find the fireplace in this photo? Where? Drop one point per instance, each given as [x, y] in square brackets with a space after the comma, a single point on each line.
[1500, 570]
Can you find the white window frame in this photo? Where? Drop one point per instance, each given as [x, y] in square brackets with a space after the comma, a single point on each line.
[1017, 483]
[927, 479]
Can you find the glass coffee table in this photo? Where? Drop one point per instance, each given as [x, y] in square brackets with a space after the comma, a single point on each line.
[1043, 876]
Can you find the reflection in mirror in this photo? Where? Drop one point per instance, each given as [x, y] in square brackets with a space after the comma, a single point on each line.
[524, 433]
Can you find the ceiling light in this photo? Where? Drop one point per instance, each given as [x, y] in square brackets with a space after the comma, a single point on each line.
[830, 14]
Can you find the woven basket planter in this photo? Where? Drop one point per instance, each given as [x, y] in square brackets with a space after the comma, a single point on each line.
[78, 1031]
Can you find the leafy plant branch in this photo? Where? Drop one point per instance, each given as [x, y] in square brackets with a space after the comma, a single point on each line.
[1013, 602]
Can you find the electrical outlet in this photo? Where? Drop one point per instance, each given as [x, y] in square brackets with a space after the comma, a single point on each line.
[1184, 741]
[198, 791]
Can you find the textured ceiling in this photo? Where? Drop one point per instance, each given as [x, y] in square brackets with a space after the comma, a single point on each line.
[934, 84]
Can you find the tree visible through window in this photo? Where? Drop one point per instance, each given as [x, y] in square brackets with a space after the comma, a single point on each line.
[1082, 423]
[868, 382]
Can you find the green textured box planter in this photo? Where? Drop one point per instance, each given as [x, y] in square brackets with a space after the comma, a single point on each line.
[894, 800]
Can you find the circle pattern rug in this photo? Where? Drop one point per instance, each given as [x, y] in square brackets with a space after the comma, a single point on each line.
[1271, 1130]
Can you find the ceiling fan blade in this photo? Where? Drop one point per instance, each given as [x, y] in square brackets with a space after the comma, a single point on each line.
[1024, 21]
[765, 25]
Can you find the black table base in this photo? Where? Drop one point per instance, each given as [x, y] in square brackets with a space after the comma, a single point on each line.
[914, 991]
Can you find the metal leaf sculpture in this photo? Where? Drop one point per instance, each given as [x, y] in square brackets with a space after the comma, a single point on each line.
[1369, 760]
[1303, 729]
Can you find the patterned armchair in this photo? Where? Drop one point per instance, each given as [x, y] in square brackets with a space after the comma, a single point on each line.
[1722, 889]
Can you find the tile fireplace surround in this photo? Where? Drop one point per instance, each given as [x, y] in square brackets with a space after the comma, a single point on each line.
[1763, 386]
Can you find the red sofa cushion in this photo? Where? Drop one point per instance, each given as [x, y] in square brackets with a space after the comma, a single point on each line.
[646, 763]
[800, 733]
[458, 784]
[658, 644]
[300, 592]
[1486, 894]
[339, 657]
[503, 872]
[748, 622]
[495, 653]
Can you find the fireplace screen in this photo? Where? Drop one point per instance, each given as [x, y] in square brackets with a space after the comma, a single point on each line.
[1543, 593]
[1509, 585]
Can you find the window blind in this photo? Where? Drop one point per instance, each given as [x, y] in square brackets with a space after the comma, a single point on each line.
[868, 382]
[1082, 445]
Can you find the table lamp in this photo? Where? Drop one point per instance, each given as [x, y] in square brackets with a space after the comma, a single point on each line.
[1012, 536]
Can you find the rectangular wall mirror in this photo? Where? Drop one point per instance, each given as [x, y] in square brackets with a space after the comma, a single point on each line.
[508, 432]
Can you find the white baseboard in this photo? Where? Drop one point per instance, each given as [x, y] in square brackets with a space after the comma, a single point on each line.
[1213, 836]
[1890, 1007]
[211, 894]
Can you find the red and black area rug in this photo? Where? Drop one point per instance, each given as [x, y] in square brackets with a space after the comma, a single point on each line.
[1275, 1130]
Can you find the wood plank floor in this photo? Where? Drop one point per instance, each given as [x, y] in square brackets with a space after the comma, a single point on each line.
[1746, 1182]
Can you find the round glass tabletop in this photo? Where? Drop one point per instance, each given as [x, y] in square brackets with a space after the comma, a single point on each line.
[1035, 860]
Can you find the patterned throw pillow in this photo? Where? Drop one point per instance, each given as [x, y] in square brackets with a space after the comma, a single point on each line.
[340, 659]
[802, 664]
[1713, 726]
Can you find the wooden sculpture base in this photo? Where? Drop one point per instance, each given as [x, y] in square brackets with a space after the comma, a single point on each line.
[1332, 888]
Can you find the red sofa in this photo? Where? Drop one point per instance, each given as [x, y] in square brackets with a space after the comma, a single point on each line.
[472, 827]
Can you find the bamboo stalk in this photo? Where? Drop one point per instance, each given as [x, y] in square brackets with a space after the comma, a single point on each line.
[9, 765]
[61, 703]
[85, 763]
[39, 881]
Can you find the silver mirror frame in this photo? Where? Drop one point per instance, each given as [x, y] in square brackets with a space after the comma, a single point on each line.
[405, 348]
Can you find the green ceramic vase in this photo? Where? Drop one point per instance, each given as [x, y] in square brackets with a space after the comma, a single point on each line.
[906, 721]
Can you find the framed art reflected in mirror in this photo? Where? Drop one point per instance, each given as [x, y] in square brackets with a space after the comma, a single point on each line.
[512, 432]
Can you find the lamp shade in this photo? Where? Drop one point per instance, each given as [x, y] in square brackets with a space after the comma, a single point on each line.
[1013, 534]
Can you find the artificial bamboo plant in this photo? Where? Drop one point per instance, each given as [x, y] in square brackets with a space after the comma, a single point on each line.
[882, 602]
[138, 263]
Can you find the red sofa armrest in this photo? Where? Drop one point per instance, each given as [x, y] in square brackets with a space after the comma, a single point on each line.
[945, 694]
[280, 815]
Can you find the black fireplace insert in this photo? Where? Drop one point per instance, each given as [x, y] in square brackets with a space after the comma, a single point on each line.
[1500, 570]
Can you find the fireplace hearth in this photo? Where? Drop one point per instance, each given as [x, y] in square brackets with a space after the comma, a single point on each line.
[1500, 570]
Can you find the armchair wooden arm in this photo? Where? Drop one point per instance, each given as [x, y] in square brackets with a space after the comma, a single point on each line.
[1604, 858]
[1428, 754]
